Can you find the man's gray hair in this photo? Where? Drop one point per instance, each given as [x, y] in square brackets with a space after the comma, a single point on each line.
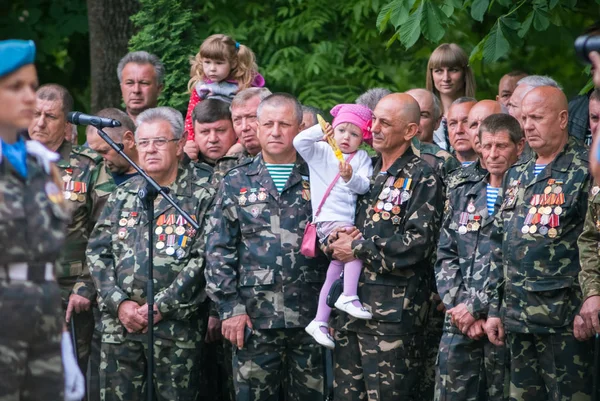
[437, 106]
[280, 99]
[244, 96]
[142, 57]
[535, 81]
[371, 97]
[313, 111]
[464, 99]
[168, 114]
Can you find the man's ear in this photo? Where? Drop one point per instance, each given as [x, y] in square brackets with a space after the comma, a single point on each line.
[128, 140]
[411, 131]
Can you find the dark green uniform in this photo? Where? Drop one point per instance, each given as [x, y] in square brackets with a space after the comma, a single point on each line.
[381, 358]
[533, 276]
[442, 163]
[87, 183]
[469, 369]
[32, 231]
[254, 267]
[118, 257]
[589, 247]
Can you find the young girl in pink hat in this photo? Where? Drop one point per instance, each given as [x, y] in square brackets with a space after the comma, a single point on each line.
[351, 125]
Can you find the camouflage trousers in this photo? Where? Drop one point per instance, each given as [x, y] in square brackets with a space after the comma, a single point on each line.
[273, 358]
[93, 393]
[84, 323]
[470, 370]
[217, 372]
[30, 354]
[123, 370]
[553, 367]
[376, 368]
[431, 343]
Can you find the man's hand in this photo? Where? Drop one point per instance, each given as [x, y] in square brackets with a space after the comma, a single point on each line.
[233, 329]
[213, 333]
[439, 305]
[477, 330]
[461, 317]
[130, 318]
[78, 304]
[589, 313]
[191, 149]
[495, 330]
[342, 247]
[143, 312]
[345, 171]
[580, 329]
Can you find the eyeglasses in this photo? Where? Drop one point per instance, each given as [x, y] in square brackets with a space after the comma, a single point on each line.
[249, 120]
[159, 143]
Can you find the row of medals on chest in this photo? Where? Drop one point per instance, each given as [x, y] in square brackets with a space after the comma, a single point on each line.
[545, 210]
[73, 190]
[469, 221]
[393, 194]
[173, 236]
[253, 197]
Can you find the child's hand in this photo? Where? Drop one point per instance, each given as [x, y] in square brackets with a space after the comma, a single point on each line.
[328, 132]
[345, 171]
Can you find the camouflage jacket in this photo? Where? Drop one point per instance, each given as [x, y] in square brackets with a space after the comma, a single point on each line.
[253, 260]
[463, 255]
[535, 259]
[87, 184]
[397, 248]
[474, 171]
[442, 162]
[118, 256]
[589, 247]
[33, 218]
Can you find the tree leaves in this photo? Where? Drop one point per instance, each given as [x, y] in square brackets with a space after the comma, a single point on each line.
[411, 29]
[478, 9]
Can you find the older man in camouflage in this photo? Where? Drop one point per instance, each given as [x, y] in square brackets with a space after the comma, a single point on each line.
[255, 273]
[118, 259]
[380, 359]
[534, 292]
[470, 367]
[87, 184]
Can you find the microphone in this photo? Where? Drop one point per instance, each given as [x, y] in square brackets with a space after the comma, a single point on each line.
[78, 118]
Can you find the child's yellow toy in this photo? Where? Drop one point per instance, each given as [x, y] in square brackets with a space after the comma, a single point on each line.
[330, 139]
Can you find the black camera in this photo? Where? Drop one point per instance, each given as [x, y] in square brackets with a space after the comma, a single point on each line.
[586, 44]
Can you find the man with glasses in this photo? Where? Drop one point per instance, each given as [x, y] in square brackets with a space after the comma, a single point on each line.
[118, 256]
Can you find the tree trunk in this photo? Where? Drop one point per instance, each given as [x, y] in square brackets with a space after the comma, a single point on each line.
[110, 29]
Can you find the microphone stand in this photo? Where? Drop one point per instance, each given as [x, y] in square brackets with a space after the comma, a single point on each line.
[147, 196]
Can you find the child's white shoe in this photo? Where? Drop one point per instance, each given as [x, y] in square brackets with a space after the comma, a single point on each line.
[314, 329]
[344, 303]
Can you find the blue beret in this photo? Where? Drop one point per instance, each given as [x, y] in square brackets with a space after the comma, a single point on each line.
[14, 54]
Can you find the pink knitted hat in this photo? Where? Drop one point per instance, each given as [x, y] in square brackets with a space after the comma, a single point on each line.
[356, 114]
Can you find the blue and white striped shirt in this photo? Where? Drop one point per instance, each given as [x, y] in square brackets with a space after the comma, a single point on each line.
[492, 194]
[467, 163]
[538, 168]
[280, 174]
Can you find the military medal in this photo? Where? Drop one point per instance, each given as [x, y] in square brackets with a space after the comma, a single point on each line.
[547, 190]
[252, 197]
[471, 207]
[595, 190]
[122, 233]
[464, 219]
[123, 222]
[388, 206]
[543, 230]
[170, 243]
[376, 217]
[262, 194]
[52, 192]
[396, 209]
[158, 230]
[385, 215]
[405, 196]
[552, 233]
[180, 230]
[558, 210]
[180, 253]
[396, 219]
[528, 219]
[242, 198]
[132, 219]
[384, 193]
[533, 210]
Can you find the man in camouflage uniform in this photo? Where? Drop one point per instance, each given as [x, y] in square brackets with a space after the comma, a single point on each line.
[534, 292]
[255, 273]
[380, 359]
[118, 258]
[470, 367]
[87, 183]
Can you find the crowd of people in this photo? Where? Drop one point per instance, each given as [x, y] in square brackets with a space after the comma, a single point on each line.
[426, 245]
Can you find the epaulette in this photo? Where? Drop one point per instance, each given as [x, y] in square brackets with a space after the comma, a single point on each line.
[44, 156]
[87, 152]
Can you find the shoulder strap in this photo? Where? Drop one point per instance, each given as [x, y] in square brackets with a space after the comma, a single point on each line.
[337, 177]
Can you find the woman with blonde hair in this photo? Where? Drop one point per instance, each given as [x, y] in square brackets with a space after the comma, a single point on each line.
[449, 77]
